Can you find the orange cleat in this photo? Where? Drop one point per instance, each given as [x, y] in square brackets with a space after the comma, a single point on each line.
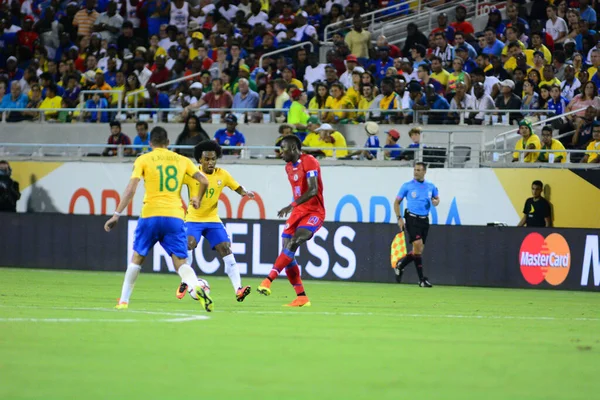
[300, 301]
[264, 287]
[242, 292]
[181, 290]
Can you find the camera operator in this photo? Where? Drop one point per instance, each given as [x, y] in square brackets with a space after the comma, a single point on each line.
[9, 189]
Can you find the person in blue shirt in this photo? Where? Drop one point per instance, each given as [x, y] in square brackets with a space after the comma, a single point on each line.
[391, 142]
[420, 195]
[230, 136]
[142, 140]
[587, 13]
[383, 62]
[96, 102]
[14, 99]
[371, 129]
[557, 102]
[434, 101]
[157, 99]
[492, 44]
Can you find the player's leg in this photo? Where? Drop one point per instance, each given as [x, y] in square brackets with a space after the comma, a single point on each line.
[144, 239]
[411, 232]
[194, 230]
[301, 236]
[174, 241]
[418, 247]
[231, 269]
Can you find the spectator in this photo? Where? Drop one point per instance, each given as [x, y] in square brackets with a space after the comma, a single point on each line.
[583, 131]
[358, 40]
[469, 65]
[512, 12]
[528, 141]
[15, 99]
[548, 143]
[424, 76]
[314, 72]
[415, 136]
[433, 101]
[313, 138]
[537, 44]
[52, 101]
[142, 139]
[537, 212]
[245, 97]
[438, 72]
[157, 100]
[288, 76]
[594, 145]
[281, 94]
[460, 101]
[35, 100]
[414, 37]
[382, 63]
[443, 50]
[230, 136]
[372, 130]
[330, 75]
[192, 134]
[458, 76]
[117, 138]
[333, 139]
[507, 100]
[391, 142]
[100, 84]
[555, 26]
[558, 104]
[446, 30]
[267, 96]
[530, 100]
[96, 102]
[284, 130]
[490, 83]
[297, 115]
[161, 73]
[217, 98]
[495, 21]
[549, 78]
[481, 102]
[109, 24]
[351, 65]
[321, 100]
[84, 19]
[339, 101]
[493, 45]
[462, 25]
[9, 189]
[394, 50]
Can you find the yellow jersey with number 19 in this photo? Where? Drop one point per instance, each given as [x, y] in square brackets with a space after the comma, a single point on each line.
[217, 181]
[163, 172]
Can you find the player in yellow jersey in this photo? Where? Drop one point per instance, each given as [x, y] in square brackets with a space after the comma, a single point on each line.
[162, 216]
[204, 221]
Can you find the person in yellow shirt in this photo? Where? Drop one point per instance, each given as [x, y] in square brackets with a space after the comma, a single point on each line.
[51, 101]
[365, 102]
[551, 144]
[549, 78]
[339, 101]
[313, 138]
[330, 138]
[288, 76]
[528, 141]
[593, 145]
[204, 221]
[358, 39]
[162, 215]
[320, 101]
[438, 72]
[353, 93]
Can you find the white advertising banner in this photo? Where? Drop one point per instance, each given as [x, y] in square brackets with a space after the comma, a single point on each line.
[352, 194]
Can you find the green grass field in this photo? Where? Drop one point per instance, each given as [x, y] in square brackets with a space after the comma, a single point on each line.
[60, 339]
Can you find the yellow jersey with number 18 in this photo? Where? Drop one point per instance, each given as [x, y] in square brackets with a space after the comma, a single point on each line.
[208, 211]
[163, 172]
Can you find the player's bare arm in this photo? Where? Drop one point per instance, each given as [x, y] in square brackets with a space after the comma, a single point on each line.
[243, 192]
[398, 215]
[126, 198]
[435, 201]
[200, 177]
[313, 190]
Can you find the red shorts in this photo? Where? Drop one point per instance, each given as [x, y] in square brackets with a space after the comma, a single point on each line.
[305, 220]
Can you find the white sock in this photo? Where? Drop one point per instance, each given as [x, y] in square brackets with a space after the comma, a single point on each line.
[188, 275]
[189, 258]
[231, 269]
[133, 270]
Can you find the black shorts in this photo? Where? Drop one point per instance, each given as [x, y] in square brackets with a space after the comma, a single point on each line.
[416, 227]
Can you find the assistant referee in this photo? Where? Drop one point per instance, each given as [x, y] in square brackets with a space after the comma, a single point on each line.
[420, 194]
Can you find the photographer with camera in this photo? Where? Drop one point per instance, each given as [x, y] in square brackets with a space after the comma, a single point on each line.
[9, 189]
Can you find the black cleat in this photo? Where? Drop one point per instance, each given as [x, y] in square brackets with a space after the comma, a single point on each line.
[425, 283]
[398, 273]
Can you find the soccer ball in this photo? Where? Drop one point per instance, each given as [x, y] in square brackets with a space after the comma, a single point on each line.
[203, 284]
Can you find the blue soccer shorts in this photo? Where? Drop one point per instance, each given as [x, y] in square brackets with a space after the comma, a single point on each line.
[170, 232]
[214, 232]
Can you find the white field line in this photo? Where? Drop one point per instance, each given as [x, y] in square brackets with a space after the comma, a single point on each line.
[180, 317]
[186, 314]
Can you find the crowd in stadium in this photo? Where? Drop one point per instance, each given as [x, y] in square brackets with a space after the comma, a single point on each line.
[546, 60]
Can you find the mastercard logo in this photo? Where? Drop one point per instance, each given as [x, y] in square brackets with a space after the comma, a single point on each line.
[545, 259]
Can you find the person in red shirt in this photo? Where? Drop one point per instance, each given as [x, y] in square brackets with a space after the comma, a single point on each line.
[26, 37]
[161, 73]
[461, 25]
[307, 215]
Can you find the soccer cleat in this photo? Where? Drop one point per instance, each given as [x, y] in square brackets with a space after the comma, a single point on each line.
[181, 290]
[398, 273]
[204, 299]
[242, 292]
[121, 306]
[264, 287]
[425, 283]
[300, 301]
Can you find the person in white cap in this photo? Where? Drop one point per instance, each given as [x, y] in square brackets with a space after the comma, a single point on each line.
[333, 139]
[196, 92]
[507, 100]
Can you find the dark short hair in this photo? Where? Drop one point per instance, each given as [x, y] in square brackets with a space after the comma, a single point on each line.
[537, 183]
[422, 164]
[293, 138]
[159, 136]
[547, 128]
[207, 145]
[114, 123]
[426, 68]
[142, 123]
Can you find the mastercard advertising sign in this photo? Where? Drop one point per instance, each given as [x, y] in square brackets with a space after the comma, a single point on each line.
[545, 258]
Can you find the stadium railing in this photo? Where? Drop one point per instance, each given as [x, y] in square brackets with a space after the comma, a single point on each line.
[284, 50]
[493, 159]
[160, 85]
[157, 114]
